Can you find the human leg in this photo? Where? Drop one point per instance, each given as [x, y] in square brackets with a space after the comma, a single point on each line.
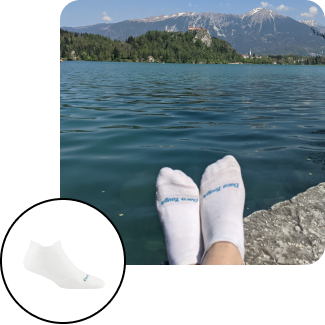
[222, 253]
[222, 198]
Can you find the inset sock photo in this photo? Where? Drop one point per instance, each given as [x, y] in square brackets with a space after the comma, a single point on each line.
[62, 261]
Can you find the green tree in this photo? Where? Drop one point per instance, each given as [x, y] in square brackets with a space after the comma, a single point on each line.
[289, 60]
[84, 56]
[116, 53]
[198, 43]
[101, 56]
[155, 54]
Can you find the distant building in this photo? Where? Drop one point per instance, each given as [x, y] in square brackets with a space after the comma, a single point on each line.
[247, 56]
[196, 28]
[73, 55]
[151, 59]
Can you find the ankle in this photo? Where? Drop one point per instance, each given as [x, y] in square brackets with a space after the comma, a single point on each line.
[223, 253]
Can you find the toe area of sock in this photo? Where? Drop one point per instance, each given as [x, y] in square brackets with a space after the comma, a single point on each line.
[164, 176]
[227, 162]
[95, 283]
[221, 164]
[100, 284]
[170, 176]
[165, 172]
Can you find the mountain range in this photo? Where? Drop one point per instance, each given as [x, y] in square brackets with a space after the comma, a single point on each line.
[263, 31]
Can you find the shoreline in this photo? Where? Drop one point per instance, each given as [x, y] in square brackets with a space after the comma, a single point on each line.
[291, 232]
[236, 63]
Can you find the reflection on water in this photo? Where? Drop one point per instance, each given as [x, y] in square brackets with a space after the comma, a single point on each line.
[122, 122]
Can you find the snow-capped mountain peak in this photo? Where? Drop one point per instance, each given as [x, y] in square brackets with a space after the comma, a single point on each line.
[313, 23]
[261, 12]
[310, 22]
[152, 19]
[254, 11]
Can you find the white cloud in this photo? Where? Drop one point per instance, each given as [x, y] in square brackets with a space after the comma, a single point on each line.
[311, 13]
[190, 4]
[313, 10]
[106, 17]
[266, 4]
[227, 4]
[282, 7]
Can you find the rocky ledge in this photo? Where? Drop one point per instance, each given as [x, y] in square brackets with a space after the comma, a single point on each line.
[290, 232]
[203, 35]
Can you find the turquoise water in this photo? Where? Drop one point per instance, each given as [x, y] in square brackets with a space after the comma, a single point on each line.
[122, 122]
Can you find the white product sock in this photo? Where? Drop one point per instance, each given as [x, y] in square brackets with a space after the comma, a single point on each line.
[222, 198]
[53, 263]
[177, 201]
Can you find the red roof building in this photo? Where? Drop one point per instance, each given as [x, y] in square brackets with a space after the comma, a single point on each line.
[195, 28]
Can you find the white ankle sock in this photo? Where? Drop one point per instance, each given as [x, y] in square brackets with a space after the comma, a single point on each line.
[222, 198]
[177, 200]
[52, 263]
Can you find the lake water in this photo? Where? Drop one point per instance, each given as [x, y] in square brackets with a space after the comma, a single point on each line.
[122, 122]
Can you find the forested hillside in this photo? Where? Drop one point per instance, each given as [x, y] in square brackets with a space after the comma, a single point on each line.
[180, 47]
[166, 47]
[89, 47]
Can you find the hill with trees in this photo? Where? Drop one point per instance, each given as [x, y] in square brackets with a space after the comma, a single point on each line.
[168, 47]
[163, 46]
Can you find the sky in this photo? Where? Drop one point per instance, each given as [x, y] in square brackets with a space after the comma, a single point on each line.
[90, 12]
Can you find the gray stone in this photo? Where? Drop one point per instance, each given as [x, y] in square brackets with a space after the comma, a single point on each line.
[297, 228]
[290, 232]
[204, 36]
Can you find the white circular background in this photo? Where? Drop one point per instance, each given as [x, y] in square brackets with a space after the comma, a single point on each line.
[90, 241]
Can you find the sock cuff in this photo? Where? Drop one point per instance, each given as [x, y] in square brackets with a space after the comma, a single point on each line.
[38, 247]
